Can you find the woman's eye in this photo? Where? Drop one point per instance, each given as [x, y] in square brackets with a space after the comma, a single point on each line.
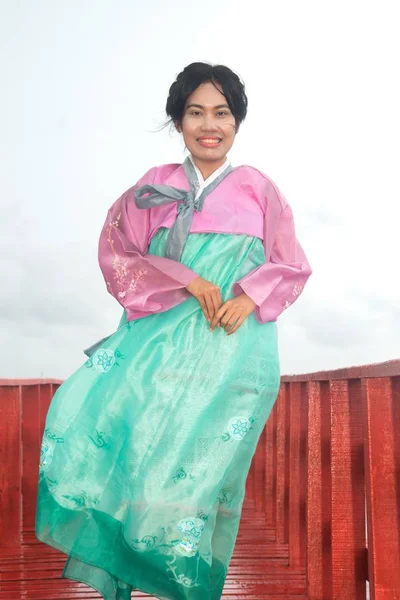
[222, 113]
[195, 113]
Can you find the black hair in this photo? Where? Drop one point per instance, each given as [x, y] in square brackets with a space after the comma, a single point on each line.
[197, 73]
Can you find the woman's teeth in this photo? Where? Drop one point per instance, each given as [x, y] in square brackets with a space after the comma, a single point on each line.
[209, 142]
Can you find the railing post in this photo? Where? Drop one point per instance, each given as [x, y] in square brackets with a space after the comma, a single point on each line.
[10, 467]
[319, 516]
[282, 464]
[298, 469]
[31, 452]
[382, 460]
[349, 568]
[269, 467]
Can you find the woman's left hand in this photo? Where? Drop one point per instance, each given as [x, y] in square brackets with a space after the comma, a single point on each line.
[233, 313]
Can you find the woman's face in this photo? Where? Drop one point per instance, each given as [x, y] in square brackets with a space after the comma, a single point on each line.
[208, 125]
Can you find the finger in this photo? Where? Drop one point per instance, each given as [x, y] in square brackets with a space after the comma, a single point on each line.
[217, 317]
[227, 317]
[203, 307]
[238, 324]
[230, 319]
[217, 300]
[210, 306]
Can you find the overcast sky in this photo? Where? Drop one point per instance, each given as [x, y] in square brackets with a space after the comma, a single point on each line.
[83, 89]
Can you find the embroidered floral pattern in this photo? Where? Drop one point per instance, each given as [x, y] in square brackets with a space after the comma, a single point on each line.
[47, 448]
[225, 496]
[181, 578]
[238, 427]
[126, 278]
[98, 439]
[74, 502]
[181, 474]
[149, 542]
[202, 515]
[192, 528]
[103, 360]
[297, 289]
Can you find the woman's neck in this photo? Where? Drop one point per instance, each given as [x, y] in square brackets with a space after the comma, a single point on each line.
[207, 168]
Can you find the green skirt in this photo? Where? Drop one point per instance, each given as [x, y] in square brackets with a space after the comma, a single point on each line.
[148, 445]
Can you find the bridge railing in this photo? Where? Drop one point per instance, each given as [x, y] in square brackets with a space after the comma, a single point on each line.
[326, 474]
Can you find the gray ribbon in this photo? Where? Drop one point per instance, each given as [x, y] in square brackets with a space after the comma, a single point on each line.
[164, 194]
[149, 196]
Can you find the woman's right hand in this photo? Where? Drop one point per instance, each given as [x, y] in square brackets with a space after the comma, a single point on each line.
[208, 294]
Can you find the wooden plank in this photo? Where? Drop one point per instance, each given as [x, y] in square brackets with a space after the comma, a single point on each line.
[382, 461]
[10, 466]
[389, 368]
[349, 571]
[296, 559]
[269, 469]
[282, 471]
[259, 471]
[319, 533]
[303, 471]
[46, 392]
[31, 441]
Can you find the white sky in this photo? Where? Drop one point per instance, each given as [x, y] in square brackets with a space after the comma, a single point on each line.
[83, 88]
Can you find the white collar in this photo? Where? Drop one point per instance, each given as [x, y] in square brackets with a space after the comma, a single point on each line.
[205, 182]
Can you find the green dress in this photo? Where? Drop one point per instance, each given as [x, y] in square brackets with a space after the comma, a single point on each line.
[147, 446]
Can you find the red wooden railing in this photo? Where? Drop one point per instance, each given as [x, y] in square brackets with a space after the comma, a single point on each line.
[325, 479]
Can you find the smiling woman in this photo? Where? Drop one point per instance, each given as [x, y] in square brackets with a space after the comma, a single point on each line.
[147, 446]
[207, 106]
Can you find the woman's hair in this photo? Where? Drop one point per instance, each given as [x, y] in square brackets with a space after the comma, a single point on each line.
[197, 73]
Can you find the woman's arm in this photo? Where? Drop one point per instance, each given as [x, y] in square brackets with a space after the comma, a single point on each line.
[277, 284]
[142, 283]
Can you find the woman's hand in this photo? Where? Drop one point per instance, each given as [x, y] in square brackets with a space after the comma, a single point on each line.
[233, 313]
[208, 294]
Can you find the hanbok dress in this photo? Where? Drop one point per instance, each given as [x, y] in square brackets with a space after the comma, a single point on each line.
[147, 446]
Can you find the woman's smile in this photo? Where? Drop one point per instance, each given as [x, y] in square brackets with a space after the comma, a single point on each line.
[209, 142]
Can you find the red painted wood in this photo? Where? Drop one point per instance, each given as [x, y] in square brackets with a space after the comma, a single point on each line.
[302, 530]
[31, 452]
[349, 572]
[319, 521]
[10, 467]
[269, 470]
[315, 575]
[382, 459]
[303, 468]
[296, 495]
[250, 484]
[282, 488]
[390, 368]
[259, 474]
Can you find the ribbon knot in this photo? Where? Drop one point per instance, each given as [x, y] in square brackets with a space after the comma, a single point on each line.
[189, 202]
[149, 196]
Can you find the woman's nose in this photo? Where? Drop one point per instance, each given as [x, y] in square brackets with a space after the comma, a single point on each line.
[209, 124]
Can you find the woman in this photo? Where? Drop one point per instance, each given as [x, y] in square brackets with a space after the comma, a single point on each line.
[148, 445]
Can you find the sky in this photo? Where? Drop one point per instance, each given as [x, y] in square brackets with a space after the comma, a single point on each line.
[84, 85]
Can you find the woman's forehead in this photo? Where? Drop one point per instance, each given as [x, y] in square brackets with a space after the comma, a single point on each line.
[206, 95]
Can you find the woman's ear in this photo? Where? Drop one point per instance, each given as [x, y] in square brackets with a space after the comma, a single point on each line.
[178, 126]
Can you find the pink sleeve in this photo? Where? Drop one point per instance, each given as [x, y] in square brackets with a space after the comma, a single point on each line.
[142, 283]
[276, 284]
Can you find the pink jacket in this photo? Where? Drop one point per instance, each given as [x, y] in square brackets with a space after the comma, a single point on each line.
[245, 202]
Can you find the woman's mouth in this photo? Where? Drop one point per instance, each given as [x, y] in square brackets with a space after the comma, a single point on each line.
[209, 142]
